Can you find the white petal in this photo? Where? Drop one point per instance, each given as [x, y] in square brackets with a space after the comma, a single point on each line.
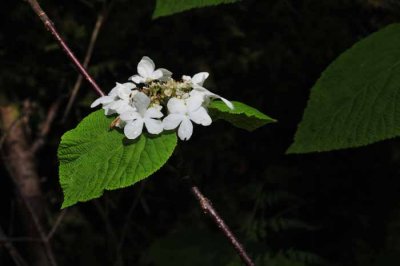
[201, 117]
[172, 121]
[176, 106]
[186, 78]
[194, 102]
[137, 79]
[166, 74]
[97, 102]
[141, 102]
[114, 90]
[201, 89]
[199, 78]
[125, 107]
[121, 87]
[197, 93]
[102, 100]
[208, 93]
[129, 85]
[153, 126]
[157, 107]
[185, 129]
[128, 116]
[153, 112]
[145, 67]
[228, 103]
[158, 74]
[123, 91]
[133, 129]
[116, 104]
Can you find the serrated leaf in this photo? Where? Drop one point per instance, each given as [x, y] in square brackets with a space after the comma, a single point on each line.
[243, 116]
[356, 100]
[169, 7]
[94, 158]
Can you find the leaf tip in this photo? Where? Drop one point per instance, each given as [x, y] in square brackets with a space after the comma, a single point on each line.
[66, 204]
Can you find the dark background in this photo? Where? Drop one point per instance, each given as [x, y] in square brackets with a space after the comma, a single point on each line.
[334, 208]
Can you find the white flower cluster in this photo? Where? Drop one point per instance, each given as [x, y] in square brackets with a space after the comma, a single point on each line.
[141, 103]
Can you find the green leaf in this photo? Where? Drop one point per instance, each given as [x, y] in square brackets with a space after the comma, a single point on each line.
[356, 101]
[94, 158]
[243, 116]
[169, 7]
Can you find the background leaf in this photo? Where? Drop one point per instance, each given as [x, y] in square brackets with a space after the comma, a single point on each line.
[356, 100]
[243, 116]
[169, 7]
[94, 158]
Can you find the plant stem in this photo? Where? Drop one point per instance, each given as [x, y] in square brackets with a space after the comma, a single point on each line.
[50, 27]
[210, 211]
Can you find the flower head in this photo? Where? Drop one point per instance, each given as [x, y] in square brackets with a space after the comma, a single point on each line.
[147, 72]
[138, 107]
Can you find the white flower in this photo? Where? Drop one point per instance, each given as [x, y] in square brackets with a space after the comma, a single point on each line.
[143, 116]
[182, 112]
[147, 72]
[117, 101]
[197, 82]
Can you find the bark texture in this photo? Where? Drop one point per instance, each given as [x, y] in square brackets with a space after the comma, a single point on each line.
[20, 162]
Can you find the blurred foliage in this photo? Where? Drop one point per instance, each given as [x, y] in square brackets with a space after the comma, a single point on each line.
[339, 208]
[166, 8]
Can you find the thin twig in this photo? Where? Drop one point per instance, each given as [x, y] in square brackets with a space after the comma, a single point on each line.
[56, 224]
[109, 228]
[12, 217]
[125, 227]
[47, 247]
[45, 127]
[50, 27]
[15, 255]
[95, 33]
[210, 211]
[19, 239]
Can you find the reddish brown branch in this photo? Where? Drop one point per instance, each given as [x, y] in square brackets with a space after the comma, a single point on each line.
[50, 27]
[210, 211]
